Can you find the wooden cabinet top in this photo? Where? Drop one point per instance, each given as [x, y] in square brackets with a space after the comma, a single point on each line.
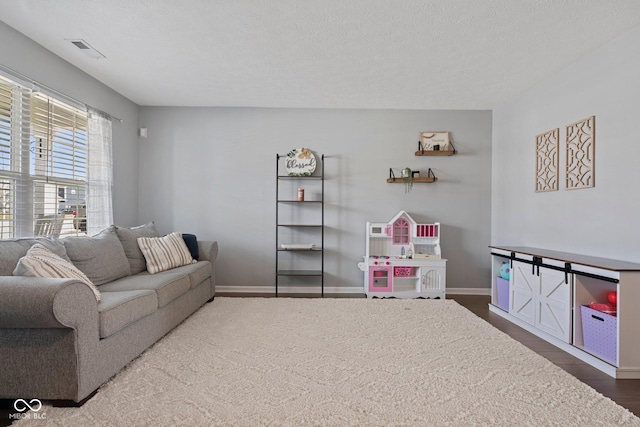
[591, 261]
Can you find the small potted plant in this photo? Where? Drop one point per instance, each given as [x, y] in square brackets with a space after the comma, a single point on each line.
[407, 178]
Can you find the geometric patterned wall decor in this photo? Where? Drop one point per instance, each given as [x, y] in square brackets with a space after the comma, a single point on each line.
[581, 141]
[547, 161]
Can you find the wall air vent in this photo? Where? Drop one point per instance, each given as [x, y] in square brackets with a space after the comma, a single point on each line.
[86, 48]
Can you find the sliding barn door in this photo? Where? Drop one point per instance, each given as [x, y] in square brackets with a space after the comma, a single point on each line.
[540, 297]
[553, 304]
[524, 285]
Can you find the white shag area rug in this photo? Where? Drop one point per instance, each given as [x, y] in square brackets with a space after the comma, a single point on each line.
[340, 362]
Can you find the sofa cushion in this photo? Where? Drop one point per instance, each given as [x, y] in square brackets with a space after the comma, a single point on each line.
[120, 309]
[165, 253]
[41, 262]
[197, 272]
[100, 257]
[129, 240]
[168, 285]
[12, 250]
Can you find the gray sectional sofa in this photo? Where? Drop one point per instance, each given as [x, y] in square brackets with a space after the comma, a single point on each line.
[58, 343]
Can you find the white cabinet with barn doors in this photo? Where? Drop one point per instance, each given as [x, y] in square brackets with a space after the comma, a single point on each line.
[541, 297]
[548, 292]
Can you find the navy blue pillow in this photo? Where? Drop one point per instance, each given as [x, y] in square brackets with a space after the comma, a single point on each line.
[192, 244]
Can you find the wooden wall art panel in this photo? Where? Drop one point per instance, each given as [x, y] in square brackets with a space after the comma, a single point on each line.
[547, 161]
[581, 140]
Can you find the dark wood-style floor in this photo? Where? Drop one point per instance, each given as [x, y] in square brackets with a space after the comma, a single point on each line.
[624, 392]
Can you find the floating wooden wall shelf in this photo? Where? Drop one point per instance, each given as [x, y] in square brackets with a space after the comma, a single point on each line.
[435, 152]
[427, 179]
[422, 152]
[431, 177]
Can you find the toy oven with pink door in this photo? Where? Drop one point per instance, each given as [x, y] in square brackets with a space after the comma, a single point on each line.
[380, 278]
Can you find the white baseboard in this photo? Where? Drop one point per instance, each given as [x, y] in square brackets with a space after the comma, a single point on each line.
[468, 291]
[288, 289]
[328, 290]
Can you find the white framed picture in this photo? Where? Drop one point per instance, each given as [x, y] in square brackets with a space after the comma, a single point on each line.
[434, 140]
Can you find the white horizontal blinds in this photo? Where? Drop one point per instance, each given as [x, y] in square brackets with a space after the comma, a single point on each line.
[58, 167]
[21, 134]
[6, 211]
[59, 140]
[6, 197]
[14, 138]
[5, 126]
[44, 167]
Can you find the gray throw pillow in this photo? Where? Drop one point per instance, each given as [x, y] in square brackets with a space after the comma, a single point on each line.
[129, 240]
[12, 250]
[100, 257]
[41, 262]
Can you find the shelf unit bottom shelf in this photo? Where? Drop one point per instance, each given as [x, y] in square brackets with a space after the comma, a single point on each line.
[316, 276]
[300, 273]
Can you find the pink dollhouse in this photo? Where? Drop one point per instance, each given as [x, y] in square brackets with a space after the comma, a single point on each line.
[403, 259]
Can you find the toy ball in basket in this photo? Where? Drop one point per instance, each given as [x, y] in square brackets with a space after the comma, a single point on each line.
[505, 270]
[402, 271]
[608, 308]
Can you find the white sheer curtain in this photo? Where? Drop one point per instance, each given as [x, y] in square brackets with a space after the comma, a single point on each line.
[100, 171]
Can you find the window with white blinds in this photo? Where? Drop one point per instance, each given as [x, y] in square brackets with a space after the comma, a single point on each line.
[43, 164]
[8, 133]
[5, 128]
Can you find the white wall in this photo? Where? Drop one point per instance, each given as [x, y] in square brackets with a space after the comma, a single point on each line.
[211, 171]
[32, 60]
[600, 221]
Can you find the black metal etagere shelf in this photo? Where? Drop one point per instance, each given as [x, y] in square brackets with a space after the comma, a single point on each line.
[300, 273]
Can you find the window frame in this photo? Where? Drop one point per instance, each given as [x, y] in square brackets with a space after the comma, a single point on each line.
[40, 125]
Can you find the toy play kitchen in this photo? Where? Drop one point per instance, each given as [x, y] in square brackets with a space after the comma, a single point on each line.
[403, 259]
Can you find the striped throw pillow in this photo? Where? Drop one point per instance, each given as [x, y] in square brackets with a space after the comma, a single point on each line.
[41, 262]
[165, 253]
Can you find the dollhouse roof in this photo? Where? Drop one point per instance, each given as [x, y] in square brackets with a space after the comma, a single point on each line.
[405, 215]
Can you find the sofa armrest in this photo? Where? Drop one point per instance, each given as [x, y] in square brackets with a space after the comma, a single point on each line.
[208, 250]
[36, 302]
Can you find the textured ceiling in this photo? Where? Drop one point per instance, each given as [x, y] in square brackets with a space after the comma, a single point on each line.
[405, 54]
